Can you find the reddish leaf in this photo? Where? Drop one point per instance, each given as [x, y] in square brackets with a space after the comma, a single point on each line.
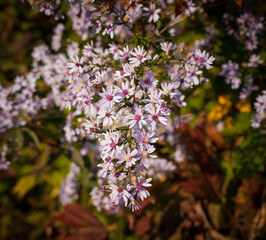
[142, 226]
[82, 223]
[205, 186]
[238, 2]
[179, 7]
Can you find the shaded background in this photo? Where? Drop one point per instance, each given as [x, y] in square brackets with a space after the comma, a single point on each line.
[217, 193]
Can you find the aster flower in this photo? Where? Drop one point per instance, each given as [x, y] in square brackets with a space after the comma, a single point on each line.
[125, 90]
[191, 74]
[129, 69]
[88, 50]
[149, 81]
[145, 153]
[4, 164]
[139, 56]
[168, 89]
[202, 59]
[154, 97]
[114, 50]
[135, 12]
[146, 138]
[152, 13]
[106, 166]
[108, 116]
[179, 100]
[119, 195]
[109, 97]
[260, 103]
[110, 143]
[76, 65]
[139, 188]
[68, 191]
[127, 156]
[125, 52]
[121, 75]
[167, 47]
[137, 118]
[109, 30]
[133, 204]
[155, 117]
[254, 61]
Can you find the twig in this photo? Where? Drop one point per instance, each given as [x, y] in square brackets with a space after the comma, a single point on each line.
[171, 25]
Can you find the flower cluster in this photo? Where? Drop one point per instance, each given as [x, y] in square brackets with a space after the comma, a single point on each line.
[69, 189]
[56, 39]
[4, 164]
[124, 105]
[244, 76]
[248, 28]
[260, 106]
[231, 74]
[117, 92]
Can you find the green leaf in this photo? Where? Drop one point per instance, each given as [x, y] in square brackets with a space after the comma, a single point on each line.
[33, 136]
[123, 128]
[17, 135]
[24, 185]
[77, 158]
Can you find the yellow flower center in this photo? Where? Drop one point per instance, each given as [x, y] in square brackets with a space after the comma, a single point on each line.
[166, 91]
[127, 157]
[144, 154]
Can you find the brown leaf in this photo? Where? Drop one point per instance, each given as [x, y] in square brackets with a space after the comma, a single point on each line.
[204, 144]
[82, 223]
[248, 200]
[259, 223]
[142, 226]
[205, 186]
[238, 2]
[179, 7]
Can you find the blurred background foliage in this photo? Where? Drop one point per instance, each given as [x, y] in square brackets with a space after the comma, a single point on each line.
[218, 192]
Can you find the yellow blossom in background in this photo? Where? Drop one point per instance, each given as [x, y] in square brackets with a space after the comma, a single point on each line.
[228, 122]
[224, 100]
[243, 105]
[221, 109]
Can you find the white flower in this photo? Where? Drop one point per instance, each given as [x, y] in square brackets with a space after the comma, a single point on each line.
[126, 91]
[125, 52]
[119, 195]
[166, 47]
[110, 143]
[109, 97]
[155, 116]
[144, 153]
[139, 188]
[146, 138]
[139, 54]
[107, 166]
[168, 89]
[136, 118]
[128, 157]
[254, 61]
[152, 12]
[75, 65]
[108, 116]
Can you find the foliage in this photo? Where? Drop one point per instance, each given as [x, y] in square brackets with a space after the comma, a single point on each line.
[210, 177]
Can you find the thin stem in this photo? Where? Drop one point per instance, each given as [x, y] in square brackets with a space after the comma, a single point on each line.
[171, 25]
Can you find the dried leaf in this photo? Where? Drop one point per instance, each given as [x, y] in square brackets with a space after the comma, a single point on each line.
[205, 186]
[238, 2]
[82, 223]
[179, 7]
[142, 226]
